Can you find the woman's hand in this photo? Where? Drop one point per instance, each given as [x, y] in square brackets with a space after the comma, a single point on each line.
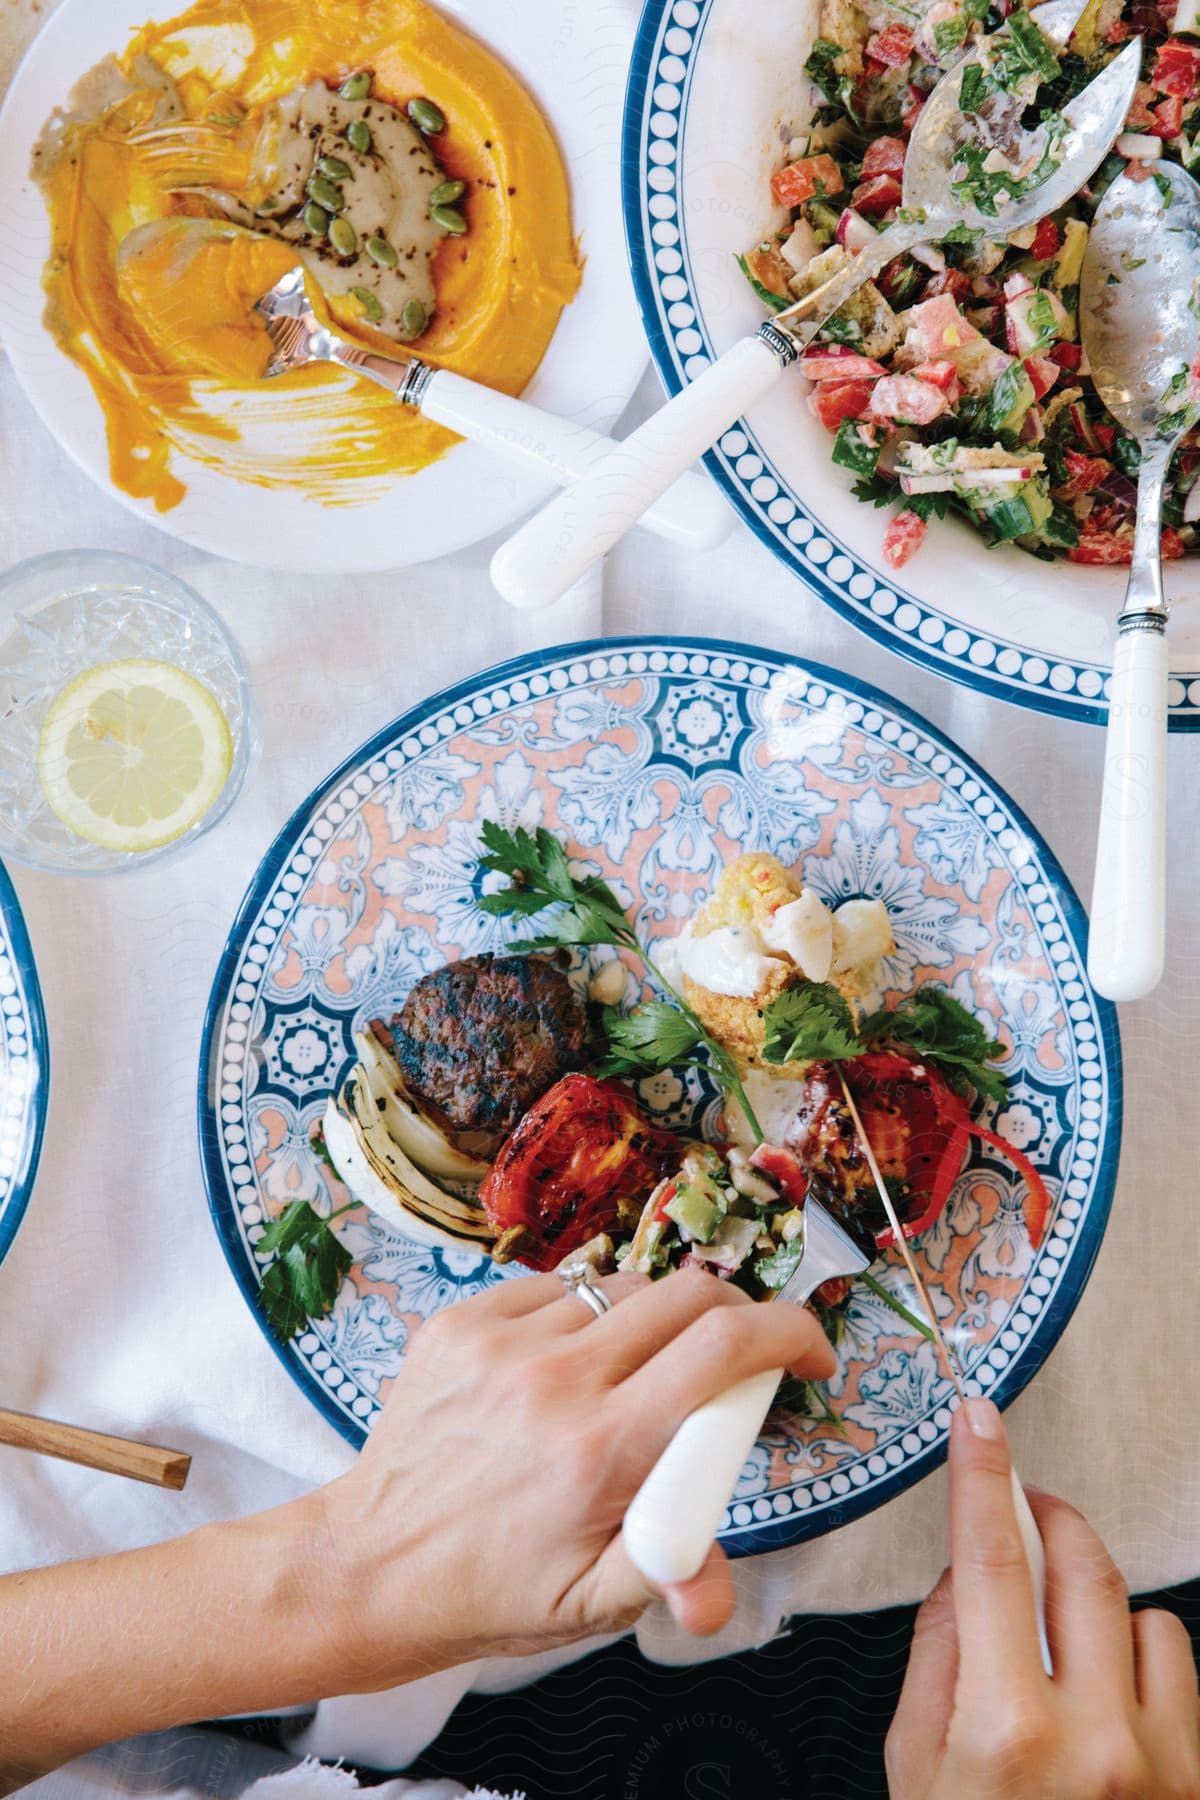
[978, 1715]
[484, 1514]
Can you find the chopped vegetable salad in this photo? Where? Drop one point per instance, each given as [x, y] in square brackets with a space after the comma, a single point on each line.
[957, 380]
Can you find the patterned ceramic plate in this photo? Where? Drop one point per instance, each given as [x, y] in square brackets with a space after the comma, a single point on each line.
[659, 761]
[24, 1066]
[707, 105]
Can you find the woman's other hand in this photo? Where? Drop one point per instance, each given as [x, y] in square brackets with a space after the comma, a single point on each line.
[979, 1716]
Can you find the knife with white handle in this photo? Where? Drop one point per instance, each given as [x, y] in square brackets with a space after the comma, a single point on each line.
[676, 1513]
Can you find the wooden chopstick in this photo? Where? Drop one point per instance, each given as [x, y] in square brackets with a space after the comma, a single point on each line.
[95, 1449]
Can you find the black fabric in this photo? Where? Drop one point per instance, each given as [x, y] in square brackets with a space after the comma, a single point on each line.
[804, 1719]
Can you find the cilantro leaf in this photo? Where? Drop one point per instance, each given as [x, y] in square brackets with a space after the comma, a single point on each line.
[810, 1023]
[310, 1263]
[933, 1024]
[652, 1037]
[586, 912]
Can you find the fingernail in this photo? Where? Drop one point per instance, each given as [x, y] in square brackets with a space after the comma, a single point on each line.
[983, 1417]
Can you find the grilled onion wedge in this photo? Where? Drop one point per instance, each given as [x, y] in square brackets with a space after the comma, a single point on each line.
[379, 1173]
[422, 1141]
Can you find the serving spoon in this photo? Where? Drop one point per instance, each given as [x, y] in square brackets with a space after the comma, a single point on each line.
[560, 543]
[1140, 322]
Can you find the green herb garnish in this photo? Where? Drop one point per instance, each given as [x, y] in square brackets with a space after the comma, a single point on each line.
[810, 1023]
[932, 1023]
[813, 1023]
[310, 1263]
[586, 912]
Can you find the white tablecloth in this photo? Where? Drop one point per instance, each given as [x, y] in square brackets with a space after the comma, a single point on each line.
[116, 1307]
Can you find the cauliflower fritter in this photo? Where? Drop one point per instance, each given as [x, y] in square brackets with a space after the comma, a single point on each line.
[737, 1023]
[750, 889]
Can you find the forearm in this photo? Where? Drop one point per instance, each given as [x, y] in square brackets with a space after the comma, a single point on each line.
[233, 1618]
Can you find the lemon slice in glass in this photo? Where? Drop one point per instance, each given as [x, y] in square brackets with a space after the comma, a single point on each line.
[133, 754]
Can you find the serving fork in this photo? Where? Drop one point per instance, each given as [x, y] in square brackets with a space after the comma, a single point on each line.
[560, 543]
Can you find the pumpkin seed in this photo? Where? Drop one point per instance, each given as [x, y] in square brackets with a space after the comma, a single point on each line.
[356, 87]
[335, 168]
[449, 218]
[358, 136]
[343, 237]
[369, 303]
[380, 251]
[315, 219]
[447, 192]
[326, 193]
[414, 318]
[426, 116]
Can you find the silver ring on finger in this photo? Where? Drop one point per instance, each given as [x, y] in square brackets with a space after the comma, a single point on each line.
[577, 1279]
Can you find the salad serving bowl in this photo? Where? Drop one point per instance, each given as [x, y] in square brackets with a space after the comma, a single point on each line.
[696, 194]
[658, 762]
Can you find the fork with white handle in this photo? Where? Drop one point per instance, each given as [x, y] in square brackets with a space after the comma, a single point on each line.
[551, 552]
[689, 513]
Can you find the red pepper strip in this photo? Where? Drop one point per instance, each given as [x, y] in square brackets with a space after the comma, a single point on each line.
[1037, 1201]
[952, 1110]
[949, 1166]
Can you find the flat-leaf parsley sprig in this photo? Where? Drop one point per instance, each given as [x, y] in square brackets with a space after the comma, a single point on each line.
[310, 1263]
[813, 1023]
[658, 1035]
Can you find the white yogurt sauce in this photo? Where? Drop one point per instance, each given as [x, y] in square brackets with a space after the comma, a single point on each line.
[730, 960]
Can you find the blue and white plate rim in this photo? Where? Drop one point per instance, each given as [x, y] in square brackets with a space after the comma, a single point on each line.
[747, 1538]
[19, 971]
[903, 624]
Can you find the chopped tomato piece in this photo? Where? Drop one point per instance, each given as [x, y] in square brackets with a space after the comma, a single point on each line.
[907, 400]
[885, 156]
[954, 282]
[875, 197]
[833, 401]
[903, 537]
[1168, 116]
[1171, 545]
[1046, 241]
[912, 108]
[1176, 68]
[1106, 437]
[837, 362]
[1084, 475]
[833, 1291]
[1043, 373]
[941, 374]
[1102, 547]
[798, 182]
[785, 1169]
[1067, 356]
[560, 1175]
[892, 46]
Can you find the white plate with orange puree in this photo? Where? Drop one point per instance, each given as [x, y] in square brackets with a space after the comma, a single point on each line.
[147, 366]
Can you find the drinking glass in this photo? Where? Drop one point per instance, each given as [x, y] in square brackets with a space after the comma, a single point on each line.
[63, 614]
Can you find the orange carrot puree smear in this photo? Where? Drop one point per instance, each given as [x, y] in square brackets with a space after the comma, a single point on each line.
[174, 351]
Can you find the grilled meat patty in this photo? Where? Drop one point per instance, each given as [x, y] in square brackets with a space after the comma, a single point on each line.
[483, 1039]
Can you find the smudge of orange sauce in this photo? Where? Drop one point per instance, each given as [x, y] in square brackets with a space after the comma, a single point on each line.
[175, 356]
